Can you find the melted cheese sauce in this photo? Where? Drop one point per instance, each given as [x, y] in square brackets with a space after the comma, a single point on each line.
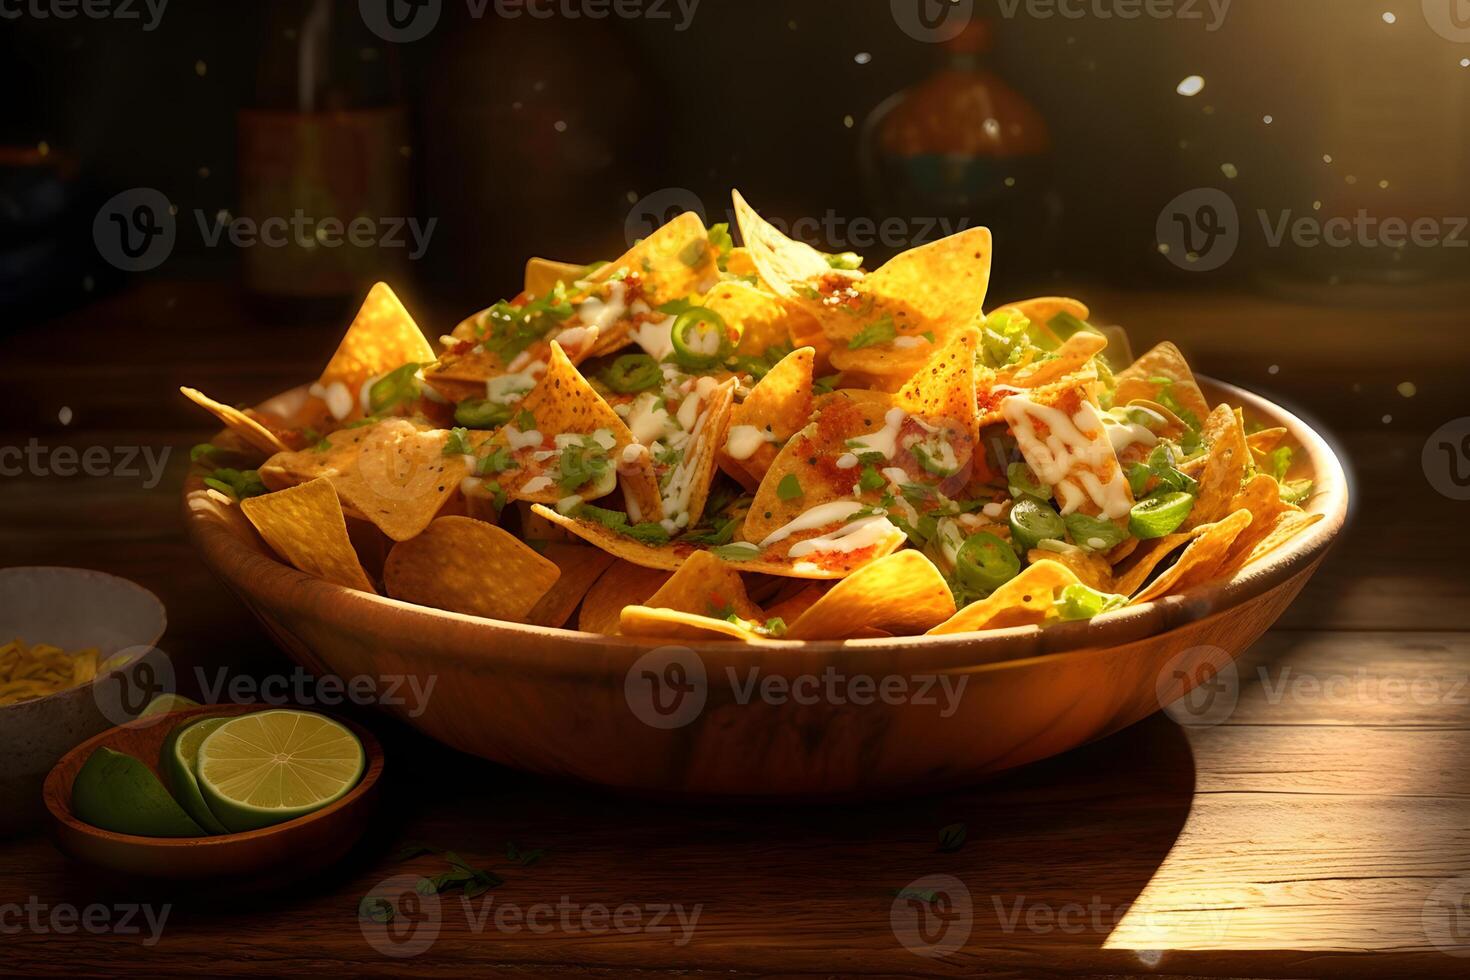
[1075, 456]
[885, 440]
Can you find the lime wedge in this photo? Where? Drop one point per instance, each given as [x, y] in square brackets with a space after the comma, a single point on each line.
[117, 792]
[263, 768]
[165, 703]
[176, 761]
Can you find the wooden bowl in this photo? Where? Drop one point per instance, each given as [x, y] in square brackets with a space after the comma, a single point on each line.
[597, 708]
[277, 854]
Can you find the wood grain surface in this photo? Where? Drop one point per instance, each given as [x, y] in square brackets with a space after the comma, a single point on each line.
[1319, 827]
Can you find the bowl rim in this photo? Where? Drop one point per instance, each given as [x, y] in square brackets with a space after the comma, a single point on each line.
[256, 573]
[145, 594]
[57, 797]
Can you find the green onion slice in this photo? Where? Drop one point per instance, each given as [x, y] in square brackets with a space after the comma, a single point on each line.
[1160, 514]
[1033, 521]
[986, 562]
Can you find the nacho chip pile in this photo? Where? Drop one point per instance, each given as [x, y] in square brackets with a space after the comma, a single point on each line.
[698, 441]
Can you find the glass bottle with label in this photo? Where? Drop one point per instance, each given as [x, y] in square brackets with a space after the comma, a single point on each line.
[324, 161]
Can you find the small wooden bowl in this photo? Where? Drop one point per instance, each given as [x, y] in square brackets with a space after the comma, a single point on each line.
[576, 705]
[280, 853]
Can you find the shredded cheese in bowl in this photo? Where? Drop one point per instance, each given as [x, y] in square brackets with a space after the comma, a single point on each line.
[28, 672]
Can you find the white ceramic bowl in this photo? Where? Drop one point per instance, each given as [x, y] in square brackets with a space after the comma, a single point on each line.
[72, 608]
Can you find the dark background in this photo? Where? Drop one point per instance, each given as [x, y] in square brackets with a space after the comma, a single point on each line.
[754, 95]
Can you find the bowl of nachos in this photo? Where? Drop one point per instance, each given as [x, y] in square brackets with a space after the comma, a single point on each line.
[754, 520]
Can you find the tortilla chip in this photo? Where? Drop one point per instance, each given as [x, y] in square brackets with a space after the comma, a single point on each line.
[382, 337]
[1131, 575]
[772, 561]
[1163, 368]
[931, 290]
[305, 526]
[1265, 440]
[686, 488]
[840, 416]
[706, 586]
[675, 624]
[782, 262]
[777, 407]
[393, 473]
[1091, 569]
[534, 527]
[790, 608]
[674, 262]
[623, 584]
[580, 566]
[1086, 471]
[1043, 309]
[468, 566]
[564, 403]
[903, 594]
[738, 262]
[945, 387]
[542, 275]
[941, 396]
[1070, 357]
[1274, 521]
[1026, 600]
[238, 422]
[760, 319]
[1201, 560]
[1224, 467]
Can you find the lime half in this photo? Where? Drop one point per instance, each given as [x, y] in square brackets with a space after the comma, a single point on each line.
[165, 703]
[180, 750]
[263, 768]
[117, 792]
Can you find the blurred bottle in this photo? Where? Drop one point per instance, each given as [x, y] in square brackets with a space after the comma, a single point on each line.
[964, 147]
[325, 142]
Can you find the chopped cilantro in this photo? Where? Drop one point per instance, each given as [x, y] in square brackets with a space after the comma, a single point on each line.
[581, 463]
[508, 329]
[648, 532]
[458, 443]
[736, 551]
[880, 331]
[526, 420]
[498, 460]
[202, 451]
[238, 484]
[789, 488]
[871, 479]
[721, 241]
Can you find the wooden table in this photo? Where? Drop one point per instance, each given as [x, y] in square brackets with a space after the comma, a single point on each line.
[1323, 829]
